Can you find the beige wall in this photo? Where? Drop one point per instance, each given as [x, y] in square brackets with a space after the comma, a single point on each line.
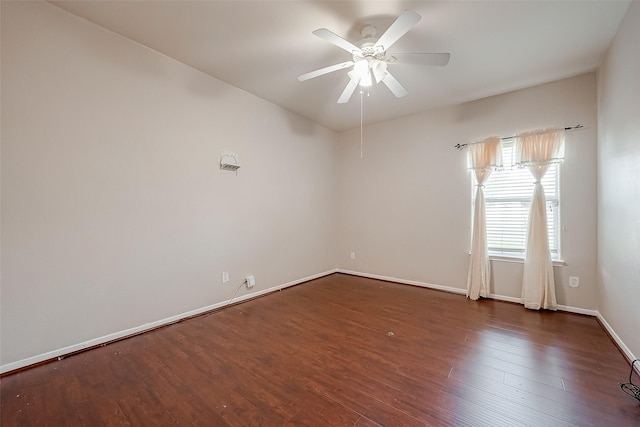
[405, 208]
[114, 210]
[115, 214]
[619, 183]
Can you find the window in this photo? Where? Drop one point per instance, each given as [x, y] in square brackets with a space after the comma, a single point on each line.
[508, 193]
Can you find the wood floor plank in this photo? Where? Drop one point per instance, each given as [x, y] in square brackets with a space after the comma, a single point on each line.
[317, 410]
[562, 410]
[512, 368]
[495, 404]
[340, 351]
[366, 422]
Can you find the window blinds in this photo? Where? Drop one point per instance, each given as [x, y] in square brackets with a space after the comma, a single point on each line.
[508, 193]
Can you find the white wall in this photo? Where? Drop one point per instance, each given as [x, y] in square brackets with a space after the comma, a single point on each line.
[114, 210]
[619, 182]
[405, 208]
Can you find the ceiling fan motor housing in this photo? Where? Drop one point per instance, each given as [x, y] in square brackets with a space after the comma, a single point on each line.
[368, 32]
[368, 49]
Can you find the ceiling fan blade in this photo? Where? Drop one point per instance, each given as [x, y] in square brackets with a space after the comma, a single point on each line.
[435, 59]
[335, 39]
[399, 28]
[394, 86]
[348, 91]
[325, 70]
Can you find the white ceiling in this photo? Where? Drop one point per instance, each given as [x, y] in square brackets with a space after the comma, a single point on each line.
[262, 46]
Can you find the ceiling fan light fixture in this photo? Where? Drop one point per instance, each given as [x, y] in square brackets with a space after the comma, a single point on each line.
[362, 69]
[366, 81]
[379, 70]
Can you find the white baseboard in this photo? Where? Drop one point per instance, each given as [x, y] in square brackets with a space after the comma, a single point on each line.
[567, 308]
[578, 310]
[61, 352]
[625, 350]
[505, 298]
[405, 281]
[460, 291]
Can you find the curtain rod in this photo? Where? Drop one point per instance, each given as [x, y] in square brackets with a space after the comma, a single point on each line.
[461, 146]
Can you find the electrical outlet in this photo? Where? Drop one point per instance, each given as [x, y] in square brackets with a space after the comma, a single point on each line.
[574, 281]
[250, 281]
[353, 255]
[225, 276]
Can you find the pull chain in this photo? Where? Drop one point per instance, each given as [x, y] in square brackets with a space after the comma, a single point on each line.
[361, 103]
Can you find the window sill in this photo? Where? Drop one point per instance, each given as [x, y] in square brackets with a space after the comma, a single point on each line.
[520, 260]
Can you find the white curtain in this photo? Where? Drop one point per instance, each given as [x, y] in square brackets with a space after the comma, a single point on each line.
[483, 157]
[536, 151]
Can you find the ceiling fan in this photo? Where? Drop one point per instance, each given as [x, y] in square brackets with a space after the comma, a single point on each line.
[371, 59]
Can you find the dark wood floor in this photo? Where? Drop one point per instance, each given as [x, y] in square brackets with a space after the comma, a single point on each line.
[340, 351]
